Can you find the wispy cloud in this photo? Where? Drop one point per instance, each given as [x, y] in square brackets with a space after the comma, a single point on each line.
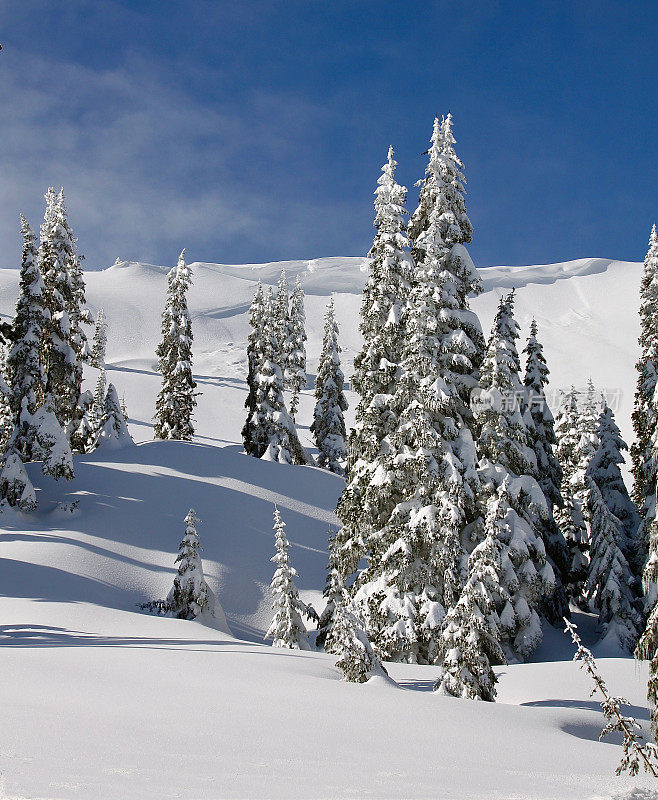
[148, 168]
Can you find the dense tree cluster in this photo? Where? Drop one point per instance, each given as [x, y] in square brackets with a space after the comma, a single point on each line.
[471, 517]
[45, 414]
[276, 363]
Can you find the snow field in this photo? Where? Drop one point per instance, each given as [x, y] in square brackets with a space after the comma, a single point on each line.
[103, 701]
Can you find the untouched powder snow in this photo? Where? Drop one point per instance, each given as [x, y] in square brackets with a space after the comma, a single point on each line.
[105, 701]
[586, 311]
[101, 700]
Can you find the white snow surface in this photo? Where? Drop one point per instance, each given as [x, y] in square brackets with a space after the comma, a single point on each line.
[100, 700]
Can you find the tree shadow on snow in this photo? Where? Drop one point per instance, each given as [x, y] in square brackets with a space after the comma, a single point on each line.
[49, 584]
[131, 500]
[50, 636]
[417, 685]
[639, 712]
[56, 538]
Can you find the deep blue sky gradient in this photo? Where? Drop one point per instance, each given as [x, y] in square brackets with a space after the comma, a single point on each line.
[255, 130]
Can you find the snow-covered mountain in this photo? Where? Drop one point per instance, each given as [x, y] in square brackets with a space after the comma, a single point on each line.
[586, 311]
[104, 701]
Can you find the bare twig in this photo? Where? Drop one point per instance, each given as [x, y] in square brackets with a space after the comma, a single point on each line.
[635, 750]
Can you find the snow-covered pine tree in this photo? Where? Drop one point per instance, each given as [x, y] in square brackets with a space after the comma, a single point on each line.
[531, 577]
[470, 642]
[61, 344]
[287, 628]
[78, 316]
[270, 430]
[571, 518]
[262, 342]
[604, 470]
[81, 436]
[542, 434]
[189, 595]
[441, 220]
[567, 432]
[113, 430]
[443, 189]
[645, 465]
[647, 646]
[82, 439]
[383, 306]
[333, 594]
[415, 556]
[295, 349]
[97, 412]
[281, 320]
[51, 445]
[25, 373]
[177, 397]
[76, 302]
[6, 413]
[458, 228]
[542, 440]
[611, 588]
[508, 464]
[349, 641]
[254, 360]
[99, 341]
[328, 426]
[591, 409]
[645, 410]
[15, 486]
[588, 444]
[504, 433]
[634, 752]
[365, 505]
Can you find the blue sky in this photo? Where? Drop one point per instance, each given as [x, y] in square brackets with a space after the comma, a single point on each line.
[255, 130]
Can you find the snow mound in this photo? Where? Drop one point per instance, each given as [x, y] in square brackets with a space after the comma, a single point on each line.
[517, 277]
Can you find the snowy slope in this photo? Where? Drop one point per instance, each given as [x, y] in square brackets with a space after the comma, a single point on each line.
[126, 706]
[120, 543]
[586, 311]
[104, 701]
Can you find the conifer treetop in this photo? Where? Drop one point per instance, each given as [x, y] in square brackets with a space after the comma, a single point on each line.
[440, 219]
[390, 199]
[537, 372]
